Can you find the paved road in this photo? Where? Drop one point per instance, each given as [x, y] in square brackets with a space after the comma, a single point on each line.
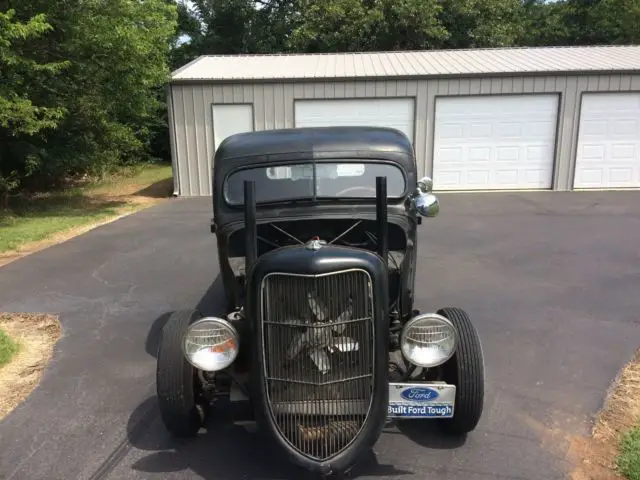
[551, 279]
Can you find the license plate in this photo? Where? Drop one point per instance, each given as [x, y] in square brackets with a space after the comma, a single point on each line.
[421, 400]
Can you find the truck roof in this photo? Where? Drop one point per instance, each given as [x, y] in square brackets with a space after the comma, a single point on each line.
[313, 143]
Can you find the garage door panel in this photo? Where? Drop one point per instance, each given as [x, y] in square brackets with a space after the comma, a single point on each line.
[395, 113]
[621, 175]
[478, 154]
[623, 152]
[509, 130]
[541, 130]
[608, 152]
[507, 154]
[452, 130]
[536, 153]
[626, 128]
[594, 128]
[593, 153]
[506, 142]
[479, 130]
[478, 177]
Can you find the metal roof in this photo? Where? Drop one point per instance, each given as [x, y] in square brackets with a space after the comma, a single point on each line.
[412, 64]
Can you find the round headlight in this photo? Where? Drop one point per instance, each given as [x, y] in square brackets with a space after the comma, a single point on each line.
[211, 344]
[428, 340]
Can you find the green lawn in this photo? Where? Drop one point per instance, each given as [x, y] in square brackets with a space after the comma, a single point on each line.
[38, 218]
[8, 348]
[629, 460]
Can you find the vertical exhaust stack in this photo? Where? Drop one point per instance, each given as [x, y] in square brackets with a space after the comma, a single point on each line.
[381, 219]
[250, 229]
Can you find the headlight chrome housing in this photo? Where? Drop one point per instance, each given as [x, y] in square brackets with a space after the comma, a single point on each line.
[211, 344]
[428, 340]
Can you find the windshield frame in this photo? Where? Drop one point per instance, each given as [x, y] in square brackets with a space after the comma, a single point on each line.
[317, 199]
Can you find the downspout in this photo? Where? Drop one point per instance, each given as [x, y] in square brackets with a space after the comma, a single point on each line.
[172, 141]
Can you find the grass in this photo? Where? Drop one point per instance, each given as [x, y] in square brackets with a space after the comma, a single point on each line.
[629, 459]
[40, 217]
[8, 348]
[612, 451]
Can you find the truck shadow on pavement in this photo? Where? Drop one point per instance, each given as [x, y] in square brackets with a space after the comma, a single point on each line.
[224, 450]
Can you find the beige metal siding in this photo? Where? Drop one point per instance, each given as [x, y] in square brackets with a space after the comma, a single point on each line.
[273, 103]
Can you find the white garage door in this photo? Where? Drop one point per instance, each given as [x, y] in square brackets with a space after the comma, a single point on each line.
[229, 120]
[608, 154]
[388, 112]
[494, 142]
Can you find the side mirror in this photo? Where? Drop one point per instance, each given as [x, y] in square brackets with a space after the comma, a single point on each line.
[423, 201]
[425, 185]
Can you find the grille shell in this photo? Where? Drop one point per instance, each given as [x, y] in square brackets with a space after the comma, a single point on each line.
[318, 413]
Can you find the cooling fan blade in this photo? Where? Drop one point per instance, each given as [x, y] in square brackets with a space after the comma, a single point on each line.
[322, 338]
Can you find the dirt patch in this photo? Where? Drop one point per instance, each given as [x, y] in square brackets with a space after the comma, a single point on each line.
[36, 335]
[596, 455]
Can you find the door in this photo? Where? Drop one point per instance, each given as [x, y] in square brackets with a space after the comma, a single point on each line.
[229, 120]
[373, 112]
[608, 153]
[494, 142]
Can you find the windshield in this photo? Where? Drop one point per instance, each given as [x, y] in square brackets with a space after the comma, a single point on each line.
[332, 180]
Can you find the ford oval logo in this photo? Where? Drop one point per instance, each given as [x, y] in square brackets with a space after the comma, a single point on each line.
[420, 394]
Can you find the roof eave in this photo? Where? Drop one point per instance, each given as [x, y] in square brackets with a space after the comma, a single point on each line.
[362, 78]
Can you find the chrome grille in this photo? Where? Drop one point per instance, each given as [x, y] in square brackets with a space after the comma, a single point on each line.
[318, 357]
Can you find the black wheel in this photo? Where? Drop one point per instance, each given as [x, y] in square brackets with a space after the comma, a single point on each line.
[177, 385]
[466, 371]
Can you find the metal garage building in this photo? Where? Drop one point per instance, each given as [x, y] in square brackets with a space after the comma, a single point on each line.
[523, 118]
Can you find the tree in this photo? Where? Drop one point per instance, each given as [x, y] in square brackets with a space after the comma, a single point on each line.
[544, 23]
[22, 113]
[335, 26]
[599, 22]
[226, 26]
[116, 52]
[356, 25]
[581, 22]
[482, 23]
[411, 25]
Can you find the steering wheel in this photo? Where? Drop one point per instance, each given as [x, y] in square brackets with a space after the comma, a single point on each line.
[350, 189]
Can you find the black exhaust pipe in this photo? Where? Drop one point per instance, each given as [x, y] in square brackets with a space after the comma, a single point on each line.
[250, 229]
[381, 219]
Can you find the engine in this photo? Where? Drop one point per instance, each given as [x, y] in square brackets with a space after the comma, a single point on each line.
[340, 232]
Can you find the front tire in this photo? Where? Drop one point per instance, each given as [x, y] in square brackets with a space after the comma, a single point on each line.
[176, 380]
[465, 370]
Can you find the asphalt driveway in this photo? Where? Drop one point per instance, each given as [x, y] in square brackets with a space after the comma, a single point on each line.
[552, 281]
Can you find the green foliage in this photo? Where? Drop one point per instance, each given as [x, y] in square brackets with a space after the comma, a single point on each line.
[581, 22]
[629, 460]
[603, 21]
[482, 23]
[354, 25]
[22, 112]
[544, 24]
[335, 26]
[8, 348]
[18, 114]
[85, 92]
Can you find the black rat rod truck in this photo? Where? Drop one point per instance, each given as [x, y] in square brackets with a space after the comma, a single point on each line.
[316, 238]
